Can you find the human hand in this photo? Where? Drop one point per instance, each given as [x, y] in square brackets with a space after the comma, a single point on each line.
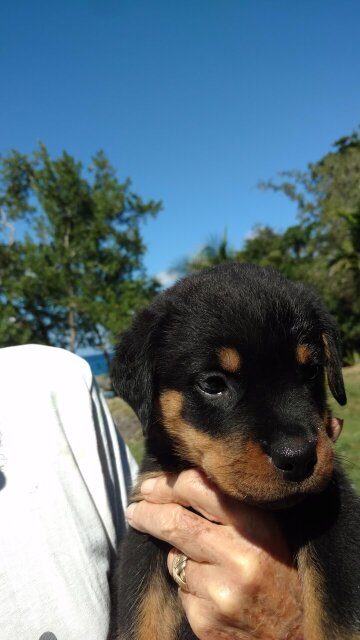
[241, 583]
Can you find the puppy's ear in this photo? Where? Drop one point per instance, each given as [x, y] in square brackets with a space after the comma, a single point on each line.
[333, 364]
[133, 366]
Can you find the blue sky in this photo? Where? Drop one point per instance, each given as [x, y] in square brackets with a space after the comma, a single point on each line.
[195, 100]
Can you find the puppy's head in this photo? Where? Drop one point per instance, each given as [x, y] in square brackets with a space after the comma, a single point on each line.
[228, 369]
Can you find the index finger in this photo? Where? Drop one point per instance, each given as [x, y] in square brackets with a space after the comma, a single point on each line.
[193, 535]
[192, 489]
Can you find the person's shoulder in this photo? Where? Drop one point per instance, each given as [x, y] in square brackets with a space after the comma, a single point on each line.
[32, 357]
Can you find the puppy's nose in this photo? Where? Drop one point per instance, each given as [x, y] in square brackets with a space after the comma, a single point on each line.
[296, 458]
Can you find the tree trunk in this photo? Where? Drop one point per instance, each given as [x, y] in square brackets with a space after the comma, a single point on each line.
[106, 356]
[72, 329]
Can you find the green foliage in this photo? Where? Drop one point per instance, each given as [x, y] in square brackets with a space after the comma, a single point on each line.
[323, 249]
[348, 445]
[216, 251]
[328, 199]
[76, 276]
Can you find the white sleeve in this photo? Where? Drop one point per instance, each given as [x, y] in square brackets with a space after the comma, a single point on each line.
[64, 478]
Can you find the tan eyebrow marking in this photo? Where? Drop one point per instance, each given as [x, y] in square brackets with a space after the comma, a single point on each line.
[303, 353]
[229, 359]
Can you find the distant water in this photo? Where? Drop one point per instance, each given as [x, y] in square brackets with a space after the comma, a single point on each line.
[97, 364]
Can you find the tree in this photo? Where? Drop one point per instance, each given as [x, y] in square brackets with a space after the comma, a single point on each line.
[289, 252]
[323, 249]
[328, 200]
[216, 251]
[75, 276]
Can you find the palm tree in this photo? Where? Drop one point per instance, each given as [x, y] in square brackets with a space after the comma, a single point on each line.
[216, 251]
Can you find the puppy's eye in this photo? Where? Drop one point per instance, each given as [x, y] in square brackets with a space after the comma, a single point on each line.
[310, 371]
[212, 384]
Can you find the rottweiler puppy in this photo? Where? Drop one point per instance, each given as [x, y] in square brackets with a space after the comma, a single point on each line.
[226, 371]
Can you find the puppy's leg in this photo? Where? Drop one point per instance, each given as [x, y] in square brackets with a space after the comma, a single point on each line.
[145, 600]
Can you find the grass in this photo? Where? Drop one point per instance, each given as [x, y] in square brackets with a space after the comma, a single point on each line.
[137, 449]
[347, 447]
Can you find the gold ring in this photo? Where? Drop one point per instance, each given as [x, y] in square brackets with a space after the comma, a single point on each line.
[178, 570]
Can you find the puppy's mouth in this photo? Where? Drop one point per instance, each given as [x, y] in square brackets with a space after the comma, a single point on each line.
[270, 493]
[277, 505]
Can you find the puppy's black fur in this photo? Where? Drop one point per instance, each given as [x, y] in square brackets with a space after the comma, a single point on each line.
[226, 371]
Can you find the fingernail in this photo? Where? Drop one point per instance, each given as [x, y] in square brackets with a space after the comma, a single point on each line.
[130, 510]
[148, 485]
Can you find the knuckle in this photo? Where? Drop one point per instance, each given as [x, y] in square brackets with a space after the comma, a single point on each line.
[187, 484]
[194, 477]
[199, 616]
[191, 482]
[178, 525]
[200, 628]
[253, 577]
[247, 567]
[180, 522]
[227, 601]
[239, 561]
[171, 521]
